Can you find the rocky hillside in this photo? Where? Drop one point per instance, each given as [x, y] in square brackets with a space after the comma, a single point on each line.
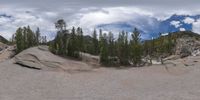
[176, 45]
[185, 43]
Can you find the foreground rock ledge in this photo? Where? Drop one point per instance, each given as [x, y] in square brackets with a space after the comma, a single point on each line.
[42, 59]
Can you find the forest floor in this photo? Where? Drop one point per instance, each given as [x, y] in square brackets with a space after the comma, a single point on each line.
[176, 80]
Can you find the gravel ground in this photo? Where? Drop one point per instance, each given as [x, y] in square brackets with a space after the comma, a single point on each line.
[176, 81]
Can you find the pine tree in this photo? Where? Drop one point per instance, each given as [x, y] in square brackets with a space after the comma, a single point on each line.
[19, 40]
[152, 49]
[111, 44]
[100, 37]
[60, 25]
[67, 43]
[100, 34]
[79, 39]
[95, 43]
[123, 48]
[30, 37]
[161, 48]
[73, 50]
[104, 51]
[59, 46]
[43, 40]
[25, 38]
[13, 40]
[170, 43]
[136, 48]
[37, 33]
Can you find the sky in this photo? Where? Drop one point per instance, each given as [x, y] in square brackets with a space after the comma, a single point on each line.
[89, 14]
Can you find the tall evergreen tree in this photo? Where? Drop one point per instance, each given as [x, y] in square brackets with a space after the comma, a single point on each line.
[37, 33]
[104, 51]
[67, 43]
[100, 34]
[161, 48]
[72, 46]
[80, 39]
[60, 25]
[136, 48]
[111, 44]
[170, 44]
[123, 48]
[19, 40]
[100, 37]
[95, 43]
[25, 38]
[59, 46]
[30, 37]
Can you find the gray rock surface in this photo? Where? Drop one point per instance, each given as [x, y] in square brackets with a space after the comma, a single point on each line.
[178, 82]
[186, 46]
[40, 58]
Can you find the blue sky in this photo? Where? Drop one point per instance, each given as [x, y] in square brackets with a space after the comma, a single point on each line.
[147, 15]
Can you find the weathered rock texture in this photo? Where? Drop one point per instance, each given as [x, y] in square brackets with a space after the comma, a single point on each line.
[187, 45]
[40, 58]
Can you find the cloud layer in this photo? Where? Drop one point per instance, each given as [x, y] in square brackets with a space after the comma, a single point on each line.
[143, 14]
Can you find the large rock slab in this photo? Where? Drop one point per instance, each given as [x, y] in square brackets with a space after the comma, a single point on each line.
[42, 59]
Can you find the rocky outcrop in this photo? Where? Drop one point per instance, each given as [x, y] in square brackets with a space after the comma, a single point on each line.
[35, 58]
[187, 46]
[90, 59]
[40, 58]
[6, 52]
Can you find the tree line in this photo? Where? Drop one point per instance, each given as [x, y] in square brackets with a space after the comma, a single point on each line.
[120, 51]
[67, 42]
[25, 38]
[112, 50]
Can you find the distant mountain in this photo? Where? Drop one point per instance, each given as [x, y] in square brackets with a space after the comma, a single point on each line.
[151, 27]
[167, 25]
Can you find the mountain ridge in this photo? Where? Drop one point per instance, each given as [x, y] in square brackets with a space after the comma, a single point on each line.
[153, 27]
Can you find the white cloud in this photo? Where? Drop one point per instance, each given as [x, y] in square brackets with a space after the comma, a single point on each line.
[176, 23]
[182, 29]
[196, 27]
[164, 34]
[24, 17]
[195, 24]
[90, 13]
[110, 15]
[4, 20]
[188, 20]
[90, 19]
